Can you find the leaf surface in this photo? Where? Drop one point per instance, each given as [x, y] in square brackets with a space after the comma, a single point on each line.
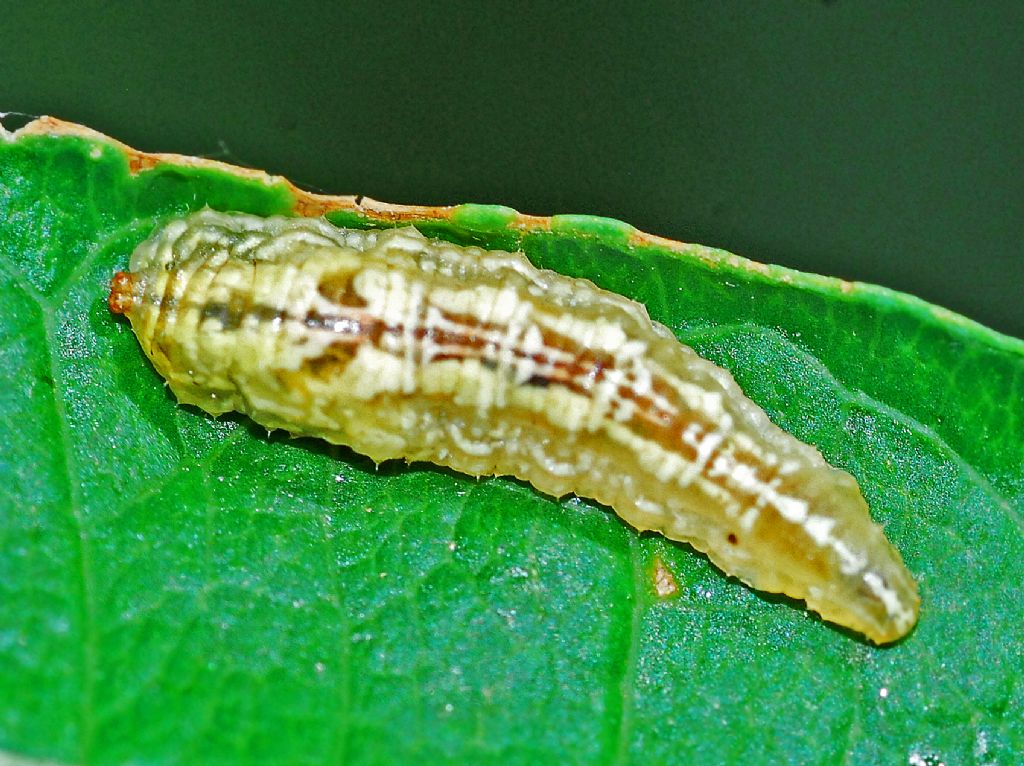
[178, 589]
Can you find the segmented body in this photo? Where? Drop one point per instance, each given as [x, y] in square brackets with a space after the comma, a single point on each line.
[403, 347]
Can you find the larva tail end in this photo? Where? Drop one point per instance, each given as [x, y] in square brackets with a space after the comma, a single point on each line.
[122, 297]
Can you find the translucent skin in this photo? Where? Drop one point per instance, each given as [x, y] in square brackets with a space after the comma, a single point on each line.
[403, 347]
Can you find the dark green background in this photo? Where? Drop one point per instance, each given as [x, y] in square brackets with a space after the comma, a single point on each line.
[878, 141]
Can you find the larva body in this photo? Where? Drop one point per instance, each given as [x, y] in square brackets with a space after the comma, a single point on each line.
[403, 347]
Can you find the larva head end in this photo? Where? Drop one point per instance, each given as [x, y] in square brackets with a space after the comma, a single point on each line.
[122, 293]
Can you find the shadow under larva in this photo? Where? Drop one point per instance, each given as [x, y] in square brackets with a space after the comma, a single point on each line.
[400, 346]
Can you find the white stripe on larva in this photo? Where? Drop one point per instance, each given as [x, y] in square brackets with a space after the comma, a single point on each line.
[819, 528]
[404, 347]
[899, 613]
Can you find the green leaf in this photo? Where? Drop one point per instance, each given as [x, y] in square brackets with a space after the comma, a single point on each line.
[178, 589]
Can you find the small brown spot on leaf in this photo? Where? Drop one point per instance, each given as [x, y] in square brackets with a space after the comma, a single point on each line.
[663, 580]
